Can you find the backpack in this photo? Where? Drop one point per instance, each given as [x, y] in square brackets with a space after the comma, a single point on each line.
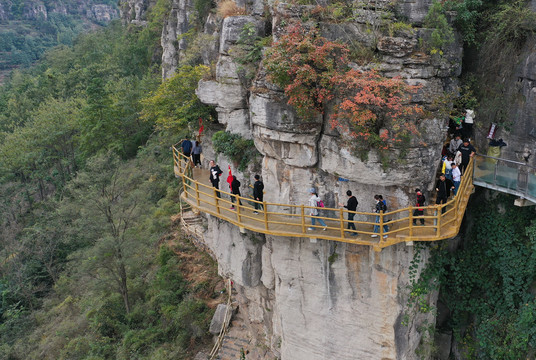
[421, 200]
[383, 206]
[320, 203]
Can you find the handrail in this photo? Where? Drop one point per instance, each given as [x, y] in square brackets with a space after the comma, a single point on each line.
[295, 220]
[506, 160]
[504, 175]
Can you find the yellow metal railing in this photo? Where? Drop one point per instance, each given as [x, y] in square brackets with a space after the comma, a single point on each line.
[295, 220]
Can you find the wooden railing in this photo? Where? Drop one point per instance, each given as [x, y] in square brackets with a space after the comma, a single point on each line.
[441, 221]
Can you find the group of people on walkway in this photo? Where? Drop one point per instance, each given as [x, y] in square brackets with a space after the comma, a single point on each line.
[459, 153]
[258, 187]
[192, 150]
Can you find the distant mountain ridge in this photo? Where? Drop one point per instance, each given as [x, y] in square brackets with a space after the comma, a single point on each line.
[28, 28]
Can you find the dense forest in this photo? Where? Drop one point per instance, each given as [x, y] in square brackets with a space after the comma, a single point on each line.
[27, 30]
[92, 262]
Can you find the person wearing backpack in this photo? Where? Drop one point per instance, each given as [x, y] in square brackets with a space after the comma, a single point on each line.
[380, 207]
[314, 202]
[419, 211]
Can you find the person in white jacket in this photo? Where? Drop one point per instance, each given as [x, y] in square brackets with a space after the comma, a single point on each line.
[313, 202]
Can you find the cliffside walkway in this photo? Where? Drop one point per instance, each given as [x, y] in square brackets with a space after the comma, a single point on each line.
[507, 176]
[294, 220]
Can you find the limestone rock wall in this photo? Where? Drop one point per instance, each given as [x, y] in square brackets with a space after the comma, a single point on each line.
[520, 131]
[322, 300]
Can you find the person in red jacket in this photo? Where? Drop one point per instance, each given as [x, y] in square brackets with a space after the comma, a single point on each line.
[419, 211]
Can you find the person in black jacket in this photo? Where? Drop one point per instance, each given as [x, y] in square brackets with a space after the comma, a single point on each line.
[419, 211]
[258, 193]
[235, 190]
[351, 205]
[214, 178]
[468, 151]
[443, 187]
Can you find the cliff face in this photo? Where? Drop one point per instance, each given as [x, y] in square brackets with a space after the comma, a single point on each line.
[519, 129]
[320, 300]
[33, 10]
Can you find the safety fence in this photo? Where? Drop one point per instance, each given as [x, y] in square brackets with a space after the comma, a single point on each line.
[508, 176]
[374, 229]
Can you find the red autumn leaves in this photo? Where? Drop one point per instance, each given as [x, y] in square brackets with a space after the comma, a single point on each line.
[314, 72]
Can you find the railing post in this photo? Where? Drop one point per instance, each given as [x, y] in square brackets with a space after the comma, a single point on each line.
[265, 215]
[439, 214]
[197, 193]
[237, 199]
[495, 172]
[410, 217]
[381, 225]
[184, 186]
[216, 201]
[303, 219]
[341, 216]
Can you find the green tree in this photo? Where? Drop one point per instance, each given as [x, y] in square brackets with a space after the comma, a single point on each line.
[175, 103]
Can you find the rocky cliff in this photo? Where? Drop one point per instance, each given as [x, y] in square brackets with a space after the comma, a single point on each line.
[320, 300]
[33, 10]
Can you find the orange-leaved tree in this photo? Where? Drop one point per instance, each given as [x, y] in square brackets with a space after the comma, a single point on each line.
[367, 106]
[303, 64]
[374, 109]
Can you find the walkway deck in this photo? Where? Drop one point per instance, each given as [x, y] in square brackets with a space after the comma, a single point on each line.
[294, 220]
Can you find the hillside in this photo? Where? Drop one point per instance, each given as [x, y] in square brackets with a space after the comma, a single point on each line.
[29, 28]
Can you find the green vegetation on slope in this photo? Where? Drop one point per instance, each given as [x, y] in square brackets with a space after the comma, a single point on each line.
[488, 284]
[91, 263]
[24, 40]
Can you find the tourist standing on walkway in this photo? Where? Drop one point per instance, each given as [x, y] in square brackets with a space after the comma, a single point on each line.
[258, 193]
[351, 205]
[215, 173]
[419, 211]
[468, 151]
[447, 168]
[455, 144]
[443, 187]
[456, 177]
[186, 146]
[313, 202]
[380, 207]
[235, 190]
[468, 123]
[196, 153]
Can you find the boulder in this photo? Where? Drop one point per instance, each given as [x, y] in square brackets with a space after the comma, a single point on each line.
[289, 147]
[227, 96]
[397, 46]
[233, 26]
[218, 320]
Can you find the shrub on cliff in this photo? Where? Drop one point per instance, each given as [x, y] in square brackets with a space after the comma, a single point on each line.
[314, 72]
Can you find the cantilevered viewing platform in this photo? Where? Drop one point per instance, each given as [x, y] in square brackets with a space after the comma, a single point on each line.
[293, 220]
[511, 177]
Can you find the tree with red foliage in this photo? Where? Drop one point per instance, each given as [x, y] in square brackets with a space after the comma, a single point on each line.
[314, 71]
[374, 108]
[303, 64]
